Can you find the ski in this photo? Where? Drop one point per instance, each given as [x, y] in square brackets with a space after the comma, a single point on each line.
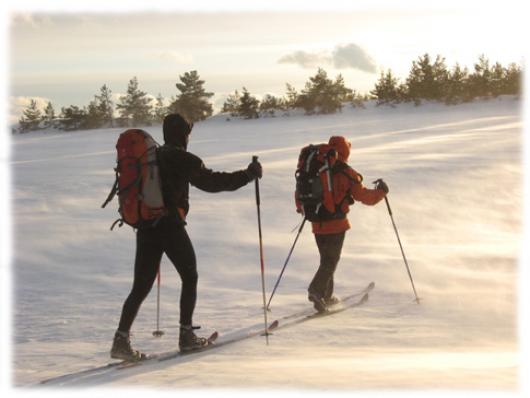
[348, 302]
[331, 311]
[113, 366]
[129, 364]
[236, 338]
[84, 375]
[345, 301]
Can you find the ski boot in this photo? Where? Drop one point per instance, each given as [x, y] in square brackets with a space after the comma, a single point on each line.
[121, 348]
[333, 300]
[189, 341]
[318, 302]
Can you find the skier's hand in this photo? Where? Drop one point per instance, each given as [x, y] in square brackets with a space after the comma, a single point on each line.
[254, 170]
[380, 184]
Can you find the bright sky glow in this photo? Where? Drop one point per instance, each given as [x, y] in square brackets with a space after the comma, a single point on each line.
[66, 57]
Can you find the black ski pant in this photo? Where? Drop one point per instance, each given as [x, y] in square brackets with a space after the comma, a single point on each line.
[169, 237]
[329, 247]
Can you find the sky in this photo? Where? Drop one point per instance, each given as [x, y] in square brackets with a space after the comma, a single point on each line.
[65, 55]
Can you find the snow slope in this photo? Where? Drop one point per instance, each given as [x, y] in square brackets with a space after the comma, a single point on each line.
[455, 176]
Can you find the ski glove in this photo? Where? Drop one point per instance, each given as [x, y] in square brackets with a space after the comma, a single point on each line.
[380, 184]
[254, 170]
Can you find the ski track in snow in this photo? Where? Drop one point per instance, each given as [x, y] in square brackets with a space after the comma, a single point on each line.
[454, 174]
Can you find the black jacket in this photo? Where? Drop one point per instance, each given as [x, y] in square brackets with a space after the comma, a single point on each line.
[179, 168]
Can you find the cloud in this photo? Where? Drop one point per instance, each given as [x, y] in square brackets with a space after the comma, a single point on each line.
[175, 57]
[342, 57]
[116, 97]
[152, 99]
[25, 20]
[305, 59]
[353, 56]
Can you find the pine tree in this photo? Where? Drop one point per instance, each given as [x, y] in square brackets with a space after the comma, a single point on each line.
[513, 80]
[248, 106]
[269, 104]
[31, 117]
[160, 110]
[192, 102]
[291, 97]
[231, 104]
[340, 94]
[386, 90]
[316, 93]
[135, 105]
[427, 81]
[49, 115]
[456, 88]
[94, 115]
[105, 105]
[498, 80]
[480, 80]
[100, 110]
[323, 95]
[357, 100]
[73, 118]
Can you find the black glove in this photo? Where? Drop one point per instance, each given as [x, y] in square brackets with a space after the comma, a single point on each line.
[380, 184]
[254, 170]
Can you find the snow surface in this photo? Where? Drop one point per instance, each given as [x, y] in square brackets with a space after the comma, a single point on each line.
[455, 176]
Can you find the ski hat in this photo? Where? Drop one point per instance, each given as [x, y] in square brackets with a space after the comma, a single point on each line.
[176, 129]
[342, 146]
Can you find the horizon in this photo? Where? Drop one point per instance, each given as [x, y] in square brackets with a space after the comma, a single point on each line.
[279, 47]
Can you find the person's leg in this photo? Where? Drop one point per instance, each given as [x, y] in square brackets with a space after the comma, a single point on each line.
[146, 265]
[179, 249]
[329, 247]
[329, 289]
[334, 252]
[148, 255]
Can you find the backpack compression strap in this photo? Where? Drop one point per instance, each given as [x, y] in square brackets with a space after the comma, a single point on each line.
[112, 192]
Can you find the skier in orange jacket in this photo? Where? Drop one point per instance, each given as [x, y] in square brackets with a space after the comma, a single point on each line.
[329, 235]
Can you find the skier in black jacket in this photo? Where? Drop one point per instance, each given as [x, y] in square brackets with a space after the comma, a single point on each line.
[178, 168]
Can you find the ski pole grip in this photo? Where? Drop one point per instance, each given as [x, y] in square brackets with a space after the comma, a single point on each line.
[376, 183]
[256, 182]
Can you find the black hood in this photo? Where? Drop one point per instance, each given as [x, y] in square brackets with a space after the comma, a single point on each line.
[176, 130]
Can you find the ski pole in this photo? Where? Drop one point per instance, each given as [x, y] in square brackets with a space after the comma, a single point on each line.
[158, 332]
[285, 264]
[400, 245]
[255, 159]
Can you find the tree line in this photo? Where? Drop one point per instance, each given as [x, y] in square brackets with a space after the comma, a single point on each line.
[135, 108]
[427, 80]
[431, 80]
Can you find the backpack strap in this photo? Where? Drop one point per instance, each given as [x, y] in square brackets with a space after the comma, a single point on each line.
[341, 167]
[113, 191]
[119, 220]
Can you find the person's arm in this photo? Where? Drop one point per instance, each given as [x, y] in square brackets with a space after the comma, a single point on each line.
[217, 181]
[362, 194]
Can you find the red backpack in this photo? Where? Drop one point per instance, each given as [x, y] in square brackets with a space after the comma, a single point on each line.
[137, 184]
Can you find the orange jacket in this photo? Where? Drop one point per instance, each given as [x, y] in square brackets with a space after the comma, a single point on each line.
[347, 183]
